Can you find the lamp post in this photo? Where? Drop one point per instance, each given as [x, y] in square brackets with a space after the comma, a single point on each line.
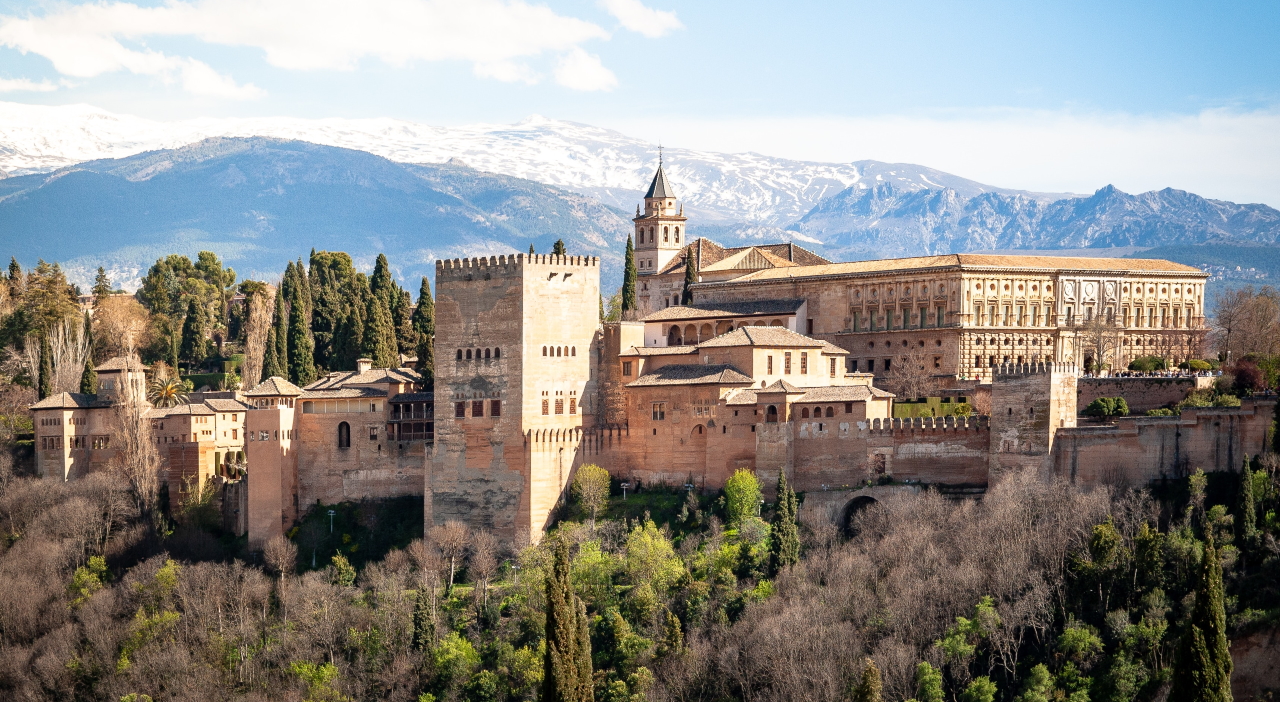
[624, 487]
[331, 513]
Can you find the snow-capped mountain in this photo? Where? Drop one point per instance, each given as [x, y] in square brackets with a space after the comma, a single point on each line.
[715, 187]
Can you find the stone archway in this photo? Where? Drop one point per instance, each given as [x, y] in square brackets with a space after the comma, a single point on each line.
[848, 522]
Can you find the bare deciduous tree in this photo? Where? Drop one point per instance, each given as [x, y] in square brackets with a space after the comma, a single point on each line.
[1246, 320]
[120, 323]
[912, 375]
[483, 563]
[261, 307]
[136, 458]
[452, 539]
[68, 346]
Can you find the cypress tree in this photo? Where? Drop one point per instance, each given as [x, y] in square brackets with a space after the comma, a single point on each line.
[44, 385]
[1203, 669]
[690, 277]
[193, 343]
[784, 545]
[89, 378]
[629, 280]
[424, 323]
[302, 367]
[288, 282]
[1248, 508]
[567, 661]
[379, 338]
[557, 249]
[380, 283]
[304, 283]
[530, 250]
[402, 321]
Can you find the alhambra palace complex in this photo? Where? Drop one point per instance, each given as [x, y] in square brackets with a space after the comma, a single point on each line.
[774, 366]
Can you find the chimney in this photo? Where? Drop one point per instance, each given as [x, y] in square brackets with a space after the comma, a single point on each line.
[363, 365]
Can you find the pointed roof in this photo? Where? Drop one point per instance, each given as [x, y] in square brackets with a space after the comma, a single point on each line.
[692, 374]
[660, 187]
[782, 386]
[275, 386]
[69, 400]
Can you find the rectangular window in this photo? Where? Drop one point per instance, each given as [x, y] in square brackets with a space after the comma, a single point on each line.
[855, 322]
[769, 363]
[1071, 315]
[373, 433]
[804, 363]
[871, 365]
[942, 316]
[573, 405]
[495, 408]
[459, 409]
[626, 368]
[977, 361]
[559, 405]
[1035, 316]
[1008, 315]
[235, 433]
[833, 368]
[991, 315]
[924, 317]
[887, 364]
[809, 326]
[477, 408]
[1177, 317]
[546, 407]
[978, 317]
[786, 363]
[888, 319]
[848, 408]
[1021, 315]
[659, 411]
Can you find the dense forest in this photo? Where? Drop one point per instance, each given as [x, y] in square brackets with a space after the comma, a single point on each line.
[1035, 592]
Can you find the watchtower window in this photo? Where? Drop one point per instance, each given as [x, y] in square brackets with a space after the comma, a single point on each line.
[497, 353]
[831, 411]
[771, 414]
[544, 350]
[344, 435]
[477, 408]
[486, 353]
[546, 407]
[573, 350]
[804, 413]
[459, 354]
[459, 410]
[468, 354]
[495, 408]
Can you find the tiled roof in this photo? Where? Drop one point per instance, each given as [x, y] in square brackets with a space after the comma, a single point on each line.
[710, 310]
[692, 374]
[979, 261]
[844, 393]
[761, 336]
[833, 350]
[369, 377]
[275, 386]
[414, 397]
[70, 400]
[745, 396]
[750, 259]
[781, 386]
[186, 409]
[658, 350]
[119, 363]
[708, 253]
[224, 405]
[342, 393]
[660, 187]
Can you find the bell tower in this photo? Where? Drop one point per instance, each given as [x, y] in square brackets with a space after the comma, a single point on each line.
[660, 229]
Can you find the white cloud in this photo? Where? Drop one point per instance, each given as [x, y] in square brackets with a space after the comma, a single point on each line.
[637, 17]
[495, 36]
[582, 71]
[14, 85]
[1222, 154]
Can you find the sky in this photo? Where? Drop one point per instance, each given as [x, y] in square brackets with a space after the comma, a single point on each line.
[1062, 97]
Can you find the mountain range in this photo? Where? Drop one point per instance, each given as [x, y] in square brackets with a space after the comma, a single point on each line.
[88, 187]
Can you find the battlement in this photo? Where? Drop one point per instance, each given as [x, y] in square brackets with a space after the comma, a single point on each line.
[1015, 369]
[900, 425]
[461, 268]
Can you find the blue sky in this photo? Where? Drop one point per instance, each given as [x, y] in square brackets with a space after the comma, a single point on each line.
[1050, 96]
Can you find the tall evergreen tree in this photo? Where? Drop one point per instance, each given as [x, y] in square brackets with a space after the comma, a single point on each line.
[44, 383]
[101, 287]
[566, 673]
[1248, 507]
[270, 359]
[304, 283]
[381, 284]
[424, 323]
[402, 322]
[784, 544]
[629, 280]
[869, 686]
[349, 341]
[193, 348]
[379, 343]
[1203, 669]
[89, 378]
[302, 367]
[558, 249]
[690, 277]
[288, 281]
[531, 249]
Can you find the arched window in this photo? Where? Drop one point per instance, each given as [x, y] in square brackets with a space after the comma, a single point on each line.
[544, 350]
[459, 354]
[665, 238]
[497, 353]
[804, 413]
[559, 351]
[344, 435]
[771, 414]
[486, 353]
[650, 235]
[831, 411]
[573, 350]
[468, 354]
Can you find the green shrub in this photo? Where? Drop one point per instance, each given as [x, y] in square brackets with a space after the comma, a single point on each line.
[1146, 364]
[1107, 407]
[1162, 412]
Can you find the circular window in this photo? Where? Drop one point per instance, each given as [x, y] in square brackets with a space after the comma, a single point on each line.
[904, 342]
[1048, 288]
[871, 345]
[993, 286]
[939, 342]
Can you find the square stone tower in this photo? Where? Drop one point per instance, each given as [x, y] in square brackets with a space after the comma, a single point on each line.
[1029, 404]
[516, 360]
[660, 230]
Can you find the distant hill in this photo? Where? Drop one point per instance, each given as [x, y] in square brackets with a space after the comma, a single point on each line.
[260, 202]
